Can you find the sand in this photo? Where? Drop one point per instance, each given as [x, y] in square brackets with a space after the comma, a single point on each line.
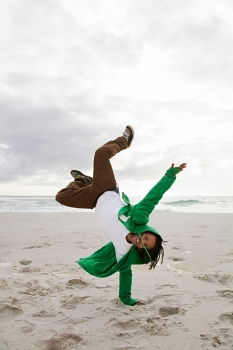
[47, 302]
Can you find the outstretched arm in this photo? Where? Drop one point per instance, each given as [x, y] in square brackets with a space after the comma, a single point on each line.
[143, 209]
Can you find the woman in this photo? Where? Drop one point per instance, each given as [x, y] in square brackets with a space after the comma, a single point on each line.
[132, 241]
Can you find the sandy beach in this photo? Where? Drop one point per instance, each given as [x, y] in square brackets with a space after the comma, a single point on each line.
[48, 302]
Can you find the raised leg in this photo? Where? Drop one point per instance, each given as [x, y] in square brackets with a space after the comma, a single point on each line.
[79, 194]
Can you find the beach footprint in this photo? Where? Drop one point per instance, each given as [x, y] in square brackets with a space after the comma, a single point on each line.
[226, 293]
[71, 302]
[227, 317]
[126, 325]
[3, 283]
[165, 311]
[25, 262]
[25, 326]
[221, 337]
[155, 326]
[35, 289]
[9, 311]
[76, 282]
[33, 246]
[63, 341]
[210, 340]
[29, 269]
[125, 329]
[216, 277]
[43, 313]
[74, 321]
[38, 246]
[176, 258]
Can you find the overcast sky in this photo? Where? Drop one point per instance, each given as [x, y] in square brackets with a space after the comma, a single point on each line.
[74, 73]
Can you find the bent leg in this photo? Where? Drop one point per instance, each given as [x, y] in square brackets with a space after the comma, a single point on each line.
[76, 195]
[79, 194]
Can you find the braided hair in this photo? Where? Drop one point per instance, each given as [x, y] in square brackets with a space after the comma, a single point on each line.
[156, 253]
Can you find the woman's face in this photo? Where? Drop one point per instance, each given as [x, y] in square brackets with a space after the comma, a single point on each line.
[147, 240]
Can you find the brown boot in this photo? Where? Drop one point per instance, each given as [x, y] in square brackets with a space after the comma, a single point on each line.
[78, 175]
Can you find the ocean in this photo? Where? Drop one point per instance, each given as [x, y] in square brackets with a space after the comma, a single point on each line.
[195, 204]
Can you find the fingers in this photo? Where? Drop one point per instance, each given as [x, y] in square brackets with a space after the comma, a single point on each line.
[182, 166]
[140, 303]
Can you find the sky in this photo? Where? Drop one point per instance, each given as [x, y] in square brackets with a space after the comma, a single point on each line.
[74, 73]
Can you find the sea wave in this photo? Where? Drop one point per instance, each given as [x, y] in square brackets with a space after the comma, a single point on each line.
[184, 203]
[196, 204]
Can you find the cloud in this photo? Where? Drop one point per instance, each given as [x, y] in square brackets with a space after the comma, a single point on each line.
[42, 139]
[48, 138]
[37, 138]
[74, 73]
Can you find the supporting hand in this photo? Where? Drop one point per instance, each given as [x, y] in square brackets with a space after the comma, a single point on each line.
[140, 303]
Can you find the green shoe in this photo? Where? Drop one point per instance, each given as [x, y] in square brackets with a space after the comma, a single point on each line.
[78, 174]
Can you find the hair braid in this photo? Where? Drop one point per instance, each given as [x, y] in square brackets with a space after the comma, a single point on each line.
[156, 253]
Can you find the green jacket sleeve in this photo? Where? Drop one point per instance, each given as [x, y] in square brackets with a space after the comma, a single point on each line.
[144, 208]
[125, 284]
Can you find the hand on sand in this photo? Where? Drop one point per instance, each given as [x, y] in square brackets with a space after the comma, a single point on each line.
[181, 166]
[140, 303]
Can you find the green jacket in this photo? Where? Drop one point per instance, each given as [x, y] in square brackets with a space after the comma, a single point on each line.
[103, 263]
